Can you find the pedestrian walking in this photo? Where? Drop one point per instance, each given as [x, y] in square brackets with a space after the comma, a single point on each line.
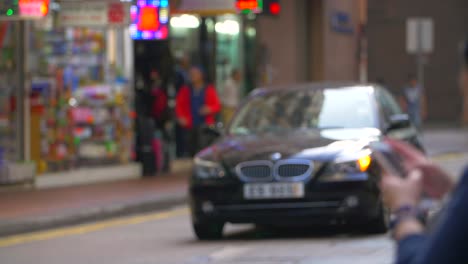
[413, 101]
[231, 95]
[196, 107]
[446, 243]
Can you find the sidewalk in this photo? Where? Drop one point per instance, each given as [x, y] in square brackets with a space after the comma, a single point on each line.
[445, 140]
[31, 210]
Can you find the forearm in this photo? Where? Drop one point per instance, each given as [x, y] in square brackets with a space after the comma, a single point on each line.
[408, 227]
[408, 233]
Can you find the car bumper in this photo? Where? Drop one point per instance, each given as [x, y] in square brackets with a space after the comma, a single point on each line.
[352, 203]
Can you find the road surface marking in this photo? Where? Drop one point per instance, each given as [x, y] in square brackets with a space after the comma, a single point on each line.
[87, 228]
[448, 156]
[227, 253]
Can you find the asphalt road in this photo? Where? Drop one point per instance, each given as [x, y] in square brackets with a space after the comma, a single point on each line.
[166, 238]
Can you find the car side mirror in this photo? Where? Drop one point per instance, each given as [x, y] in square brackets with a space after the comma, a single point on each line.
[214, 131]
[398, 121]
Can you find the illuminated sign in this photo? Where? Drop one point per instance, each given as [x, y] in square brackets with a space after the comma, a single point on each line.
[248, 6]
[33, 8]
[149, 19]
[264, 7]
[24, 9]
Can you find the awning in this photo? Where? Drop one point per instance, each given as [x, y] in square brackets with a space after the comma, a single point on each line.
[203, 7]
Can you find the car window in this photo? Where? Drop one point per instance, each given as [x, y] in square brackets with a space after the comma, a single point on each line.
[388, 104]
[308, 109]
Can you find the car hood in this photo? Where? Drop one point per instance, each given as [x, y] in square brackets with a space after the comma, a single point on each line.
[320, 145]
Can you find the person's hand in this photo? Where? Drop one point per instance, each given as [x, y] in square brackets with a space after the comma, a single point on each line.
[436, 182]
[398, 192]
[205, 110]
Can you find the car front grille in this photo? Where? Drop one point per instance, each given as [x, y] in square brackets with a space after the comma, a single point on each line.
[256, 171]
[292, 170]
[282, 170]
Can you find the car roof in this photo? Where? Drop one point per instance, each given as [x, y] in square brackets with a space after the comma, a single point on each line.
[314, 86]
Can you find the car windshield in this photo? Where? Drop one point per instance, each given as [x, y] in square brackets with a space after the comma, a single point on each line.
[305, 110]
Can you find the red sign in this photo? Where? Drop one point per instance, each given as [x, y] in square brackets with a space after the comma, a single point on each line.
[116, 13]
[33, 8]
[247, 4]
[148, 19]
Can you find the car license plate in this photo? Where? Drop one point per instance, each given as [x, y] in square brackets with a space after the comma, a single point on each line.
[273, 190]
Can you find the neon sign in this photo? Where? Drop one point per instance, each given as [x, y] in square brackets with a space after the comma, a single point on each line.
[149, 19]
[33, 8]
[248, 6]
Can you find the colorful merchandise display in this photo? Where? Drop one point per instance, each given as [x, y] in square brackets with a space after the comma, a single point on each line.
[85, 115]
[102, 127]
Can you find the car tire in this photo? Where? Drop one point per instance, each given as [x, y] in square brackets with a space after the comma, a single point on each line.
[380, 224]
[208, 230]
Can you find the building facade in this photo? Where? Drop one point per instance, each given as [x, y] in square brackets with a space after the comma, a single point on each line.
[388, 58]
[310, 41]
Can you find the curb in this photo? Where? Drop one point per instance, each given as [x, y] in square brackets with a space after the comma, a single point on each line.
[89, 215]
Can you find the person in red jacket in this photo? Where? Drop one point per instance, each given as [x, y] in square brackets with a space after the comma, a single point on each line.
[196, 107]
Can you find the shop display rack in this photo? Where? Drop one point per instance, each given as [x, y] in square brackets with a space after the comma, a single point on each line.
[87, 117]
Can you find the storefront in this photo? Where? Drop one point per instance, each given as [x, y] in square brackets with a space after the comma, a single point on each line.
[80, 111]
[8, 96]
[15, 165]
[65, 90]
[67, 105]
[214, 35]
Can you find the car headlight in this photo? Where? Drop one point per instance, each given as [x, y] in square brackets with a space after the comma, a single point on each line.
[205, 169]
[360, 164]
[349, 167]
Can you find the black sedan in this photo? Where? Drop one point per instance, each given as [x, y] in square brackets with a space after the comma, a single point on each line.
[298, 156]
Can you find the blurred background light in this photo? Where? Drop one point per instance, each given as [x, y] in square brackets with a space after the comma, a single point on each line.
[185, 21]
[229, 27]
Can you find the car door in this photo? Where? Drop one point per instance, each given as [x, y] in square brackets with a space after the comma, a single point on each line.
[389, 108]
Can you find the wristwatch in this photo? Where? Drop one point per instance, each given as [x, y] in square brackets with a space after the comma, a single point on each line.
[406, 212]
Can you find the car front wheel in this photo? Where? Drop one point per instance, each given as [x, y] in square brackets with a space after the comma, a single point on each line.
[208, 230]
